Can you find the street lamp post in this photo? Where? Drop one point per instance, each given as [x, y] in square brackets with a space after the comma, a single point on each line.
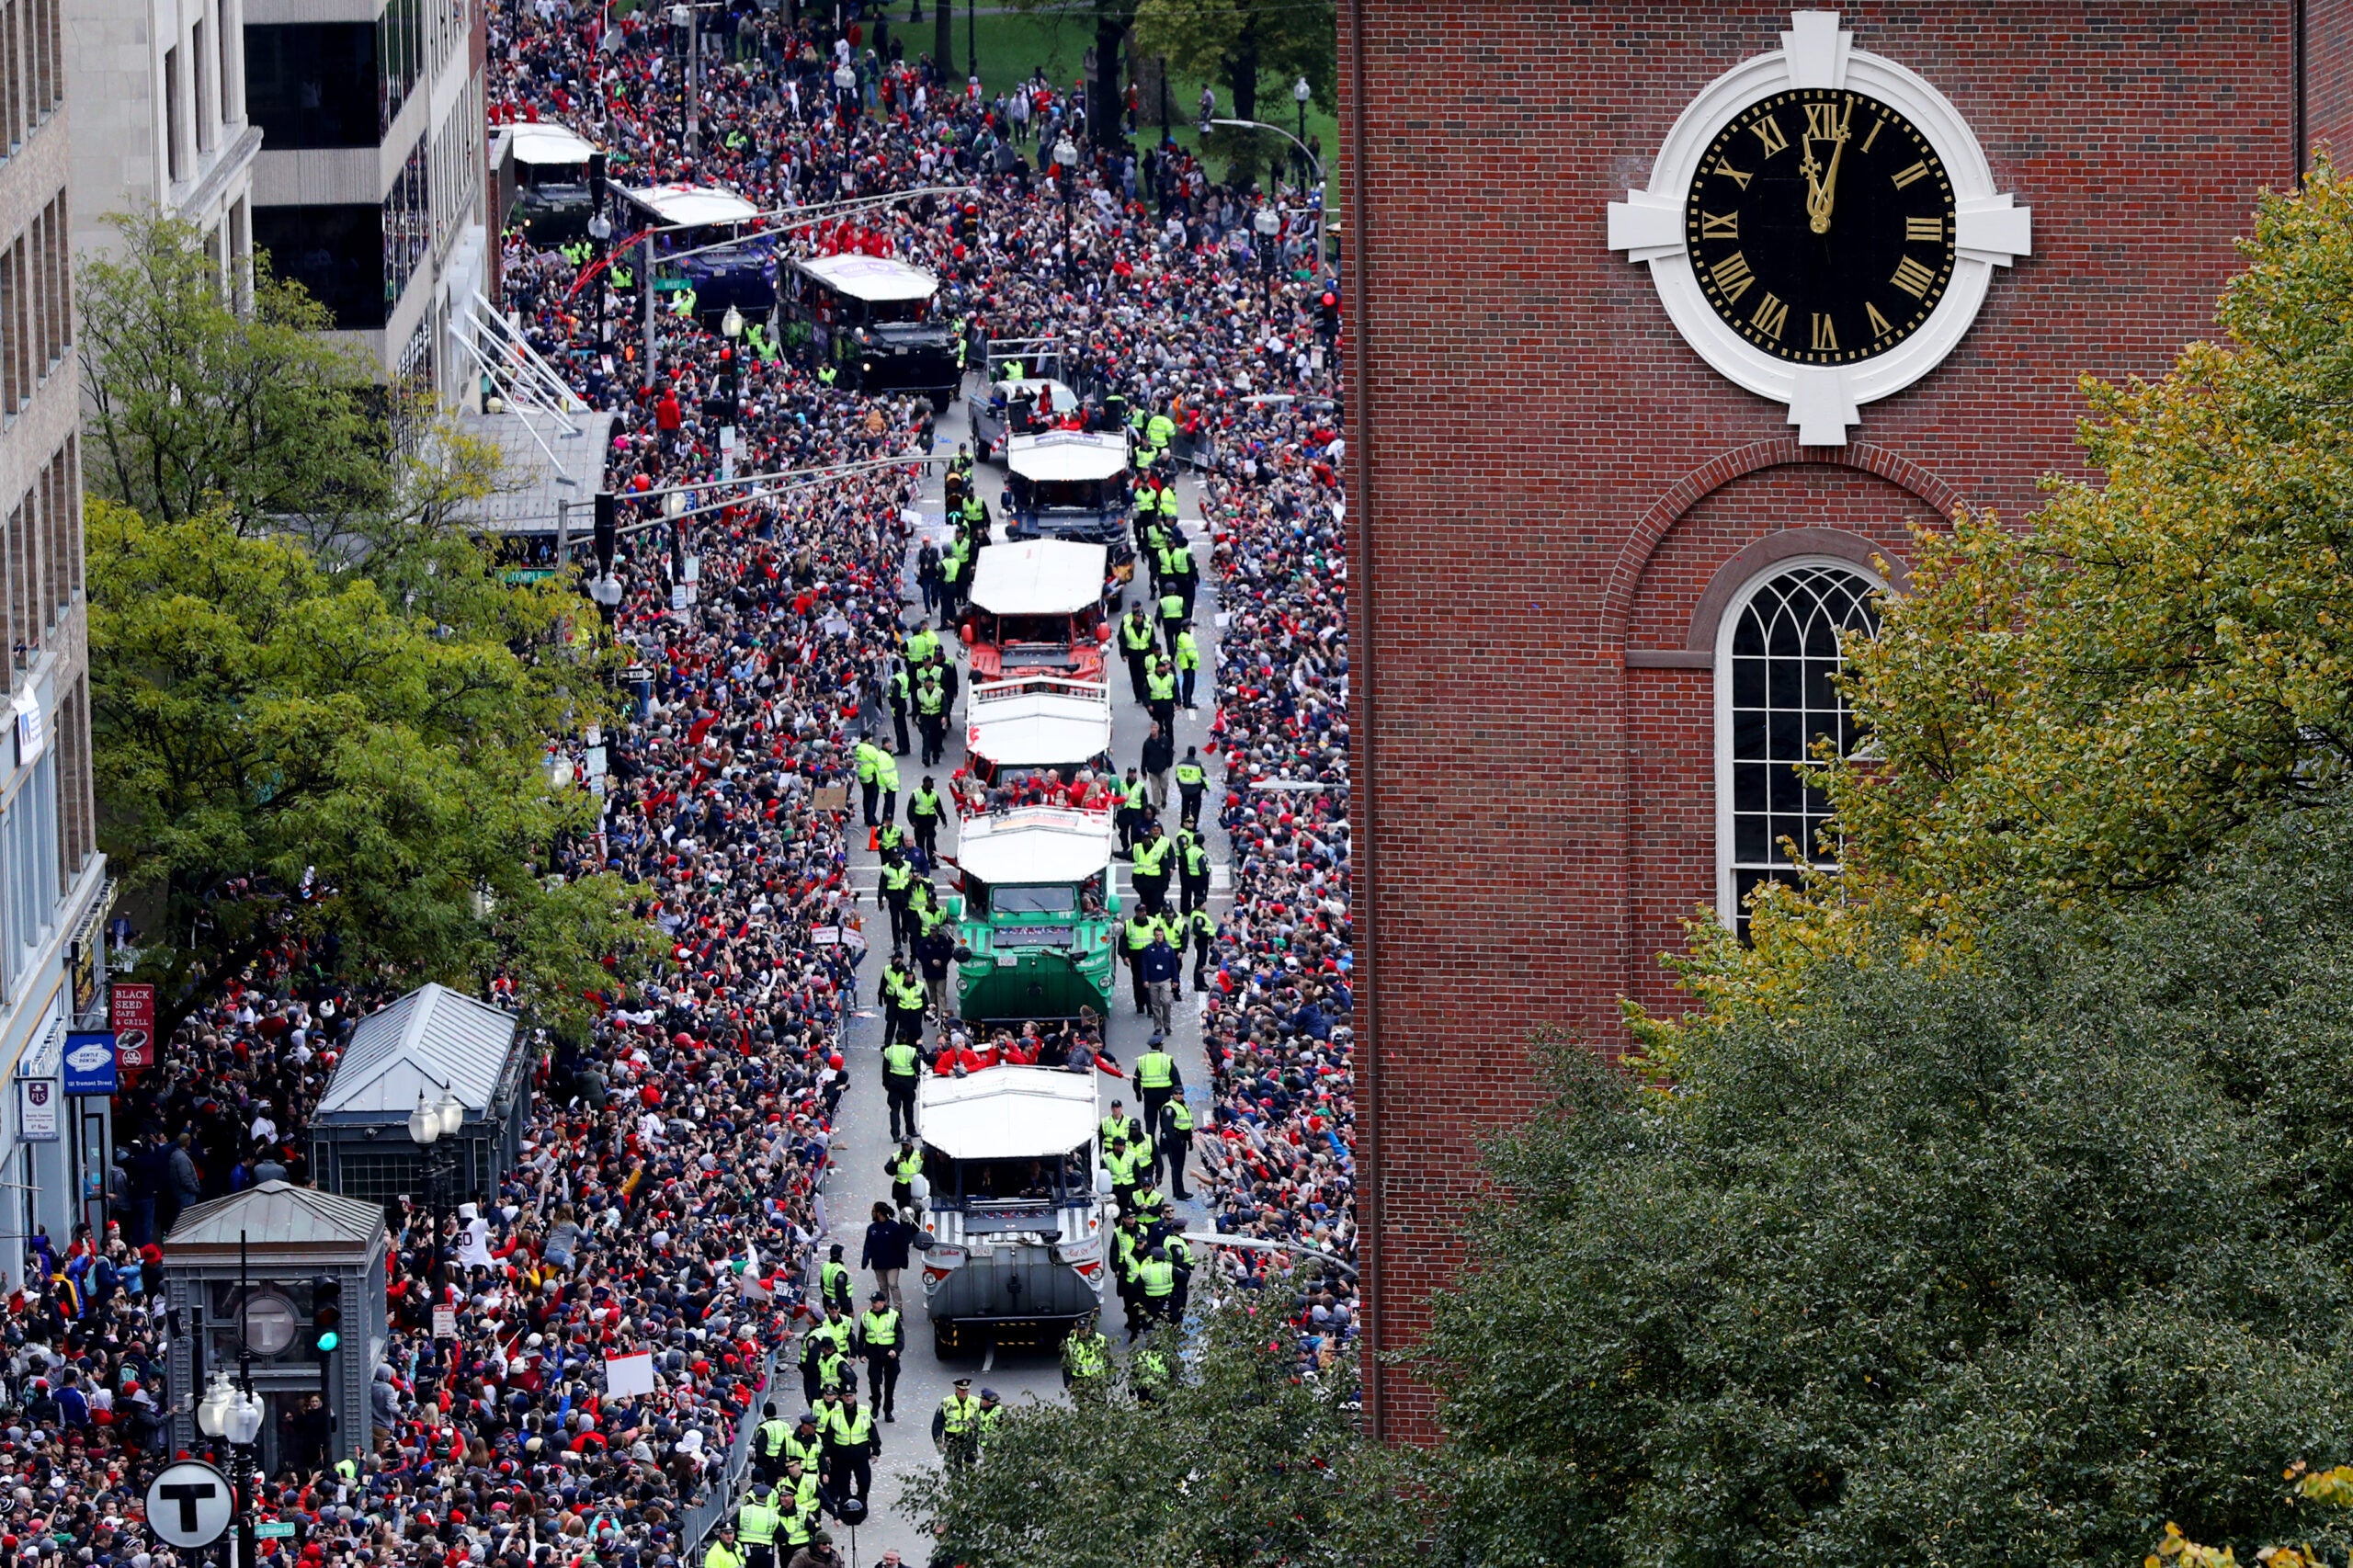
[600, 229]
[427, 1125]
[233, 1414]
[1066, 166]
[1301, 92]
[1313, 163]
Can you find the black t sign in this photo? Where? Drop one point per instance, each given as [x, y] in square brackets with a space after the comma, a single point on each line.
[187, 1494]
[189, 1504]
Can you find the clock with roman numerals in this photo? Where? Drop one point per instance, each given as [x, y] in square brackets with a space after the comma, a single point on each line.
[1822, 226]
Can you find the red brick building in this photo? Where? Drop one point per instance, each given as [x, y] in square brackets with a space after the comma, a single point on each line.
[1576, 519]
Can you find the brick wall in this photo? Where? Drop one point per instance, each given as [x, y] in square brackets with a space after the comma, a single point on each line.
[2328, 77]
[1546, 475]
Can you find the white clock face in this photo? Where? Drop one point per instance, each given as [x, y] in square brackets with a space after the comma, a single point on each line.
[1822, 226]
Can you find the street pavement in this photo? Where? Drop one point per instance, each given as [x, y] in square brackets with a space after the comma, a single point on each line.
[861, 1136]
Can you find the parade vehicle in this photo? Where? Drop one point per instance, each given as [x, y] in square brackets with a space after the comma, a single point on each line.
[741, 272]
[1037, 609]
[1008, 408]
[1015, 1252]
[872, 318]
[552, 204]
[1025, 727]
[1072, 484]
[1036, 915]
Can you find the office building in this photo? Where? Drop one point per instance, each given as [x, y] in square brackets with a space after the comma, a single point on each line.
[370, 185]
[51, 876]
[158, 94]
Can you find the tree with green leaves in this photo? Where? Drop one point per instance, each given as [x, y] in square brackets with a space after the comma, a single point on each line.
[1238, 42]
[281, 751]
[2082, 708]
[1107, 23]
[1242, 1463]
[201, 402]
[1994, 1257]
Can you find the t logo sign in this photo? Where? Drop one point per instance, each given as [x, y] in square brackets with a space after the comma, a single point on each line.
[189, 1504]
[187, 1494]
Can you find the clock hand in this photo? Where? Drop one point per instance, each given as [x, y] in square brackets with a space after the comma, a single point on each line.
[1826, 194]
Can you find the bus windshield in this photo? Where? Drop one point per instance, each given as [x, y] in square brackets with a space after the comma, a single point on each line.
[1054, 629]
[1032, 900]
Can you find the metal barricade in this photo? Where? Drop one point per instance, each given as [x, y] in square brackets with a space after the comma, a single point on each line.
[696, 1523]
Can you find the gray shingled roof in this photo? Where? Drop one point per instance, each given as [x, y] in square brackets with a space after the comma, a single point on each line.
[277, 1214]
[431, 1036]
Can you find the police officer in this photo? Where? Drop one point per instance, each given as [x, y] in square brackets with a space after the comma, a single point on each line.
[833, 1281]
[901, 690]
[1204, 932]
[956, 1424]
[822, 1349]
[721, 1552]
[852, 1442]
[1189, 666]
[992, 1416]
[1124, 1163]
[1192, 779]
[1135, 642]
[797, 1502]
[1160, 694]
[925, 811]
[767, 1443]
[1175, 1143]
[1192, 873]
[903, 1168]
[868, 759]
[804, 1445]
[896, 878]
[878, 1341]
[756, 1525]
[1086, 1358]
[931, 712]
[1159, 1278]
[1136, 933]
[1181, 1257]
[1154, 1079]
[886, 786]
[1151, 867]
[901, 1071]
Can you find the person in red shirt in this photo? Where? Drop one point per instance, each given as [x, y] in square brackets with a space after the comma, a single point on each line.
[667, 418]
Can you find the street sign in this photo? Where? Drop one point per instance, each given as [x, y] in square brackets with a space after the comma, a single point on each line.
[189, 1504]
[274, 1529]
[444, 1323]
[89, 1063]
[130, 1010]
[669, 285]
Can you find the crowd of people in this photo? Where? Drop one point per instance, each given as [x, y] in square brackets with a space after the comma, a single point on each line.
[670, 1194]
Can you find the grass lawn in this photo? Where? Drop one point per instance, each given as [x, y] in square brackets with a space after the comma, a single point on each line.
[1013, 43]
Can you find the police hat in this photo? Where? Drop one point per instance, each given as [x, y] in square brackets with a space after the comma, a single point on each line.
[963, 1382]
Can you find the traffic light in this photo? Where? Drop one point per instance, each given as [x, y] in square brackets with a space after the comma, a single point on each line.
[326, 1315]
[607, 533]
[595, 182]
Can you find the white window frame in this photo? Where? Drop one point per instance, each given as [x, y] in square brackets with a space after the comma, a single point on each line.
[1727, 909]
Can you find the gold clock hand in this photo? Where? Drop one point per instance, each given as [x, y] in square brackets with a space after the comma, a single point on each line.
[1827, 197]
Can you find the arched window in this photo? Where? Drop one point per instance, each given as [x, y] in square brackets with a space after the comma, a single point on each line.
[1775, 655]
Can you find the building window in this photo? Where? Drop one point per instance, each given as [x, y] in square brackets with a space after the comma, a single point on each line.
[1777, 654]
[337, 253]
[202, 60]
[311, 84]
[174, 158]
[28, 865]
